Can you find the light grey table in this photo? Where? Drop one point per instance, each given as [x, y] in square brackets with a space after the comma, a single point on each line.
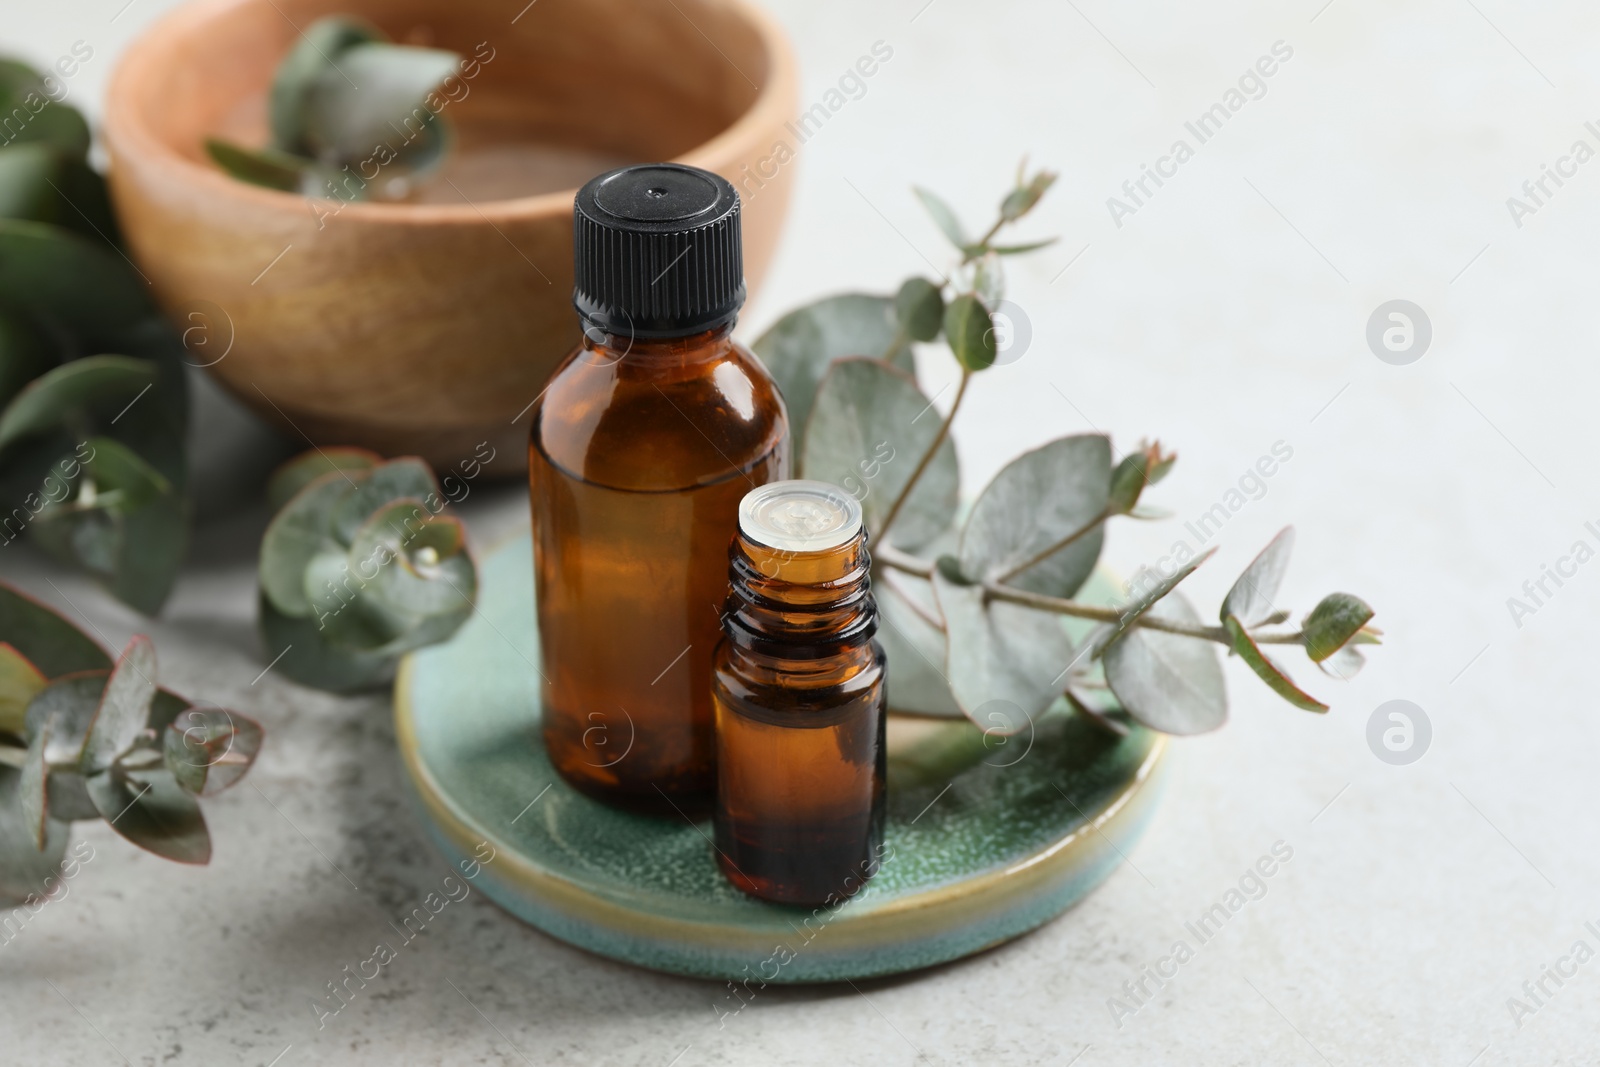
[1226, 313]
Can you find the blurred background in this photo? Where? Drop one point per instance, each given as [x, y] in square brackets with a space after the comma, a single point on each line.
[1226, 312]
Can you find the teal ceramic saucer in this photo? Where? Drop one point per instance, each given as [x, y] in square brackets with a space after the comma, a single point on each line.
[984, 842]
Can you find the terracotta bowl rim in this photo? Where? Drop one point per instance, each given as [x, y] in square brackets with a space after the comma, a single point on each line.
[127, 134]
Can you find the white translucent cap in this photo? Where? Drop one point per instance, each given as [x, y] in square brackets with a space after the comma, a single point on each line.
[799, 516]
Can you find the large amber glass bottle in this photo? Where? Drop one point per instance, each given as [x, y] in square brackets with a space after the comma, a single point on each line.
[642, 446]
[798, 684]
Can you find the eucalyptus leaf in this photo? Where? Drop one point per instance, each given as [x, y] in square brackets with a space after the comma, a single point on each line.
[76, 284]
[45, 637]
[42, 183]
[1148, 599]
[868, 430]
[296, 534]
[1002, 655]
[1268, 671]
[150, 809]
[209, 749]
[27, 872]
[406, 476]
[1344, 664]
[309, 659]
[371, 95]
[32, 785]
[95, 383]
[315, 53]
[34, 117]
[299, 472]
[800, 347]
[919, 308]
[121, 480]
[20, 682]
[969, 330]
[1333, 623]
[1028, 246]
[1021, 200]
[1167, 682]
[1038, 500]
[913, 647]
[268, 167]
[1251, 598]
[417, 561]
[124, 706]
[135, 542]
[943, 216]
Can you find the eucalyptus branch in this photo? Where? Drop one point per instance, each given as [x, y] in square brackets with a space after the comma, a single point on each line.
[1079, 610]
[891, 556]
[882, 534]
[898, 560]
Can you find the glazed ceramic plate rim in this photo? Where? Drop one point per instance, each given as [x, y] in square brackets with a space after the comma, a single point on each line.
[908, 930]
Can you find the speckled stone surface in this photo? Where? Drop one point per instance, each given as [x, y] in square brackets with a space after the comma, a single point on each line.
[1418, 900]
[1022, 832]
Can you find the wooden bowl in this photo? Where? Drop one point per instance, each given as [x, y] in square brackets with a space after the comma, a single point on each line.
[427, 328]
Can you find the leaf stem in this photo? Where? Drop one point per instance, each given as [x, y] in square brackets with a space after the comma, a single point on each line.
[898, 560]
[1040, 557]
[917, 609]
[882, 533]
[1080, 610]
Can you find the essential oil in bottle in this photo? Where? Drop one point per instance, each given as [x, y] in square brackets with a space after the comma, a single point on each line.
[798, 684]
[642, 446]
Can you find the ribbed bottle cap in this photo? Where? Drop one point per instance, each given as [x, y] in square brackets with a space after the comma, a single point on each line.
[799, 516]
[656, 251]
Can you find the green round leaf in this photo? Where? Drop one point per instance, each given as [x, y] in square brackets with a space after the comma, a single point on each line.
[299, 472]
[870, 427]
[801, 346]
[32, 117]
[1002, 656]
[27, 872]
[45, 637]
[1332, 623]
[79, 285]
[124, 706]
[66, 708]
[1038, 500]
[970, 332]
[943, 217]
[414, 563]
[296, 534]
[1168, 682]
[266, 167]
[406, 476]
[153, 811]
[1268, 671]
[372, 94]
[209, 749]
[919, 307]
[309, 659]
[1251, 598]
[94, 384]
[20, 682]
[317, 50]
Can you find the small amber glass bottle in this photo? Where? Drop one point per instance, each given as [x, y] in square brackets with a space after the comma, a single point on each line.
[798, 684]
[642, 446]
